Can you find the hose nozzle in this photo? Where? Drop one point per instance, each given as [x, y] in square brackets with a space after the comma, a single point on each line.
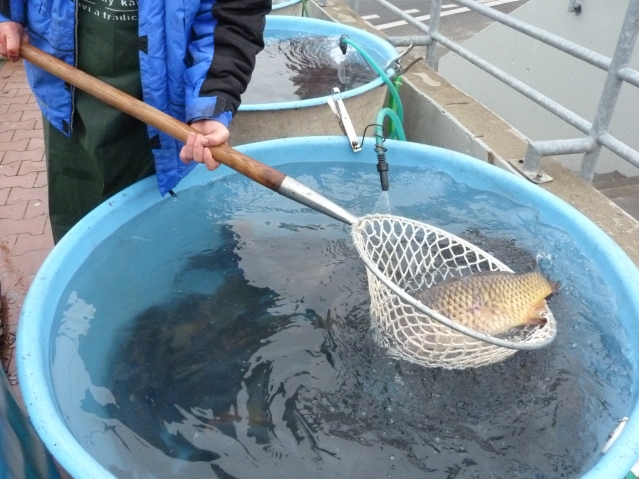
[382, 166]
[342, 44]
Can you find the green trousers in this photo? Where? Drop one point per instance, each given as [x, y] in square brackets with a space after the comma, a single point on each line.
[107, 152]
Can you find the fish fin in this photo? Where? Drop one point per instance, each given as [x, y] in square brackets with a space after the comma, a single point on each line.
[555, 286]
[536, 321]
[536, 317]
[534, 265]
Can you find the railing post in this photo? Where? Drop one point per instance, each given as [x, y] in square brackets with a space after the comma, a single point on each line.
[433, 28]
[612, 86]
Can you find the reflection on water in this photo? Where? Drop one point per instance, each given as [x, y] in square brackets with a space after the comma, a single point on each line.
[305, 67]
[245, 351]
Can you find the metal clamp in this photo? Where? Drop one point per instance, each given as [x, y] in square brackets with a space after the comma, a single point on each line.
[395, 63]
[337, 105]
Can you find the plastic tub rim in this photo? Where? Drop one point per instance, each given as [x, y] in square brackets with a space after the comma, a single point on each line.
[288, 3]
[320, 26]
[32, 365]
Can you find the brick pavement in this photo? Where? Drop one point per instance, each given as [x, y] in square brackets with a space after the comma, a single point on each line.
[25, 233]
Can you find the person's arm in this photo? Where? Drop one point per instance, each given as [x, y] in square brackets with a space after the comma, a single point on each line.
[221, 65]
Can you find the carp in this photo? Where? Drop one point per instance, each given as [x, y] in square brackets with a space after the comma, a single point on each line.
[491, 302]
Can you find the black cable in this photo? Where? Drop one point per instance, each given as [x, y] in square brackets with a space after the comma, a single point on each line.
[375, 135]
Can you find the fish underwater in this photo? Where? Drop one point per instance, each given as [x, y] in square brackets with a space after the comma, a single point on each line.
[491, 302]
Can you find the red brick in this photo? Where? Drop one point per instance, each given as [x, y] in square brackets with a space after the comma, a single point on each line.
[26, 133]
[32, 155]
[29, 166]
[20, 181]
[14, 212]
[27, 243]
[23, 107]
[35, 143]
[38, 124]
[5, 93]
[20, 145]
[32, 99]
[21, 194]
[6, 136]
[41, 180]
[10, 117]
[6, 244]
[31, 261]
[4, 195]
[27, 115]
[9, 68]
[9, 170]
[20, 99]
[21, 125]
[4, 109]
[34, 226]
[26, 91]
[36, 208]
[13, 85]
[18, 76]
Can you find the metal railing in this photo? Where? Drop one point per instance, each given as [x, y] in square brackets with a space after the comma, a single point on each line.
[617, 68]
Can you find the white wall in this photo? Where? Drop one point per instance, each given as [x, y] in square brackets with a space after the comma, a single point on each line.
[569, 81]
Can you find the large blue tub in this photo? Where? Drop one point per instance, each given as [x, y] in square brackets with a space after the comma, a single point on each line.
[40, 333]
[268, 119]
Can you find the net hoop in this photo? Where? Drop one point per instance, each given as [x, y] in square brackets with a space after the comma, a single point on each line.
[406, 249]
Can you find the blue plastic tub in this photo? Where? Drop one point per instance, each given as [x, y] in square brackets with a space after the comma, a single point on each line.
[267, 120]
[36, 337]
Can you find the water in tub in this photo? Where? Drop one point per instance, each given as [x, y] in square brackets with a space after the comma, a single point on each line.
[301, 68]
[225, 333]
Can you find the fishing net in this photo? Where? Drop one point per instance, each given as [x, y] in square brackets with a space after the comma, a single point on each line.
[403, 256]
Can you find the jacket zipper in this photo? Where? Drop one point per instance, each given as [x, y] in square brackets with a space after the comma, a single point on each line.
[75, 62]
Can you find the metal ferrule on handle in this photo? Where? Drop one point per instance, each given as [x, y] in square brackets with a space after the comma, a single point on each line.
[296, 191]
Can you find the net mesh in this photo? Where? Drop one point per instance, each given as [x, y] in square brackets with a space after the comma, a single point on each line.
[415, 256]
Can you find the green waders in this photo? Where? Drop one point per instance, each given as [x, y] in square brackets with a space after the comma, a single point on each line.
[108, 150]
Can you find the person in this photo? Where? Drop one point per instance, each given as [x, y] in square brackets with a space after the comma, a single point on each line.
[191, 59]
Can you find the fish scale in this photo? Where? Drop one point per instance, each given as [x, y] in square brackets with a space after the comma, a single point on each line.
[491, 302]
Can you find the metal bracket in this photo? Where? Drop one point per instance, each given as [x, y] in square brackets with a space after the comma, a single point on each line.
[337, 105]
[574, 6]
[537, 177]
[395, 63]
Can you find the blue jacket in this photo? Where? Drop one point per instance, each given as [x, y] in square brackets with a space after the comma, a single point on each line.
[196, 59]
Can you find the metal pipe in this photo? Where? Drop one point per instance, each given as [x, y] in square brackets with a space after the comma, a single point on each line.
[627, 74]
[552, 106]
[433, 27]
[417, 40]
[619, 148]
[538, 149]
[589, 56]
[612, 85]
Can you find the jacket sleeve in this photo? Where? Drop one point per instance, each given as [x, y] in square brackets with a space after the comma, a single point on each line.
[13, 11]
[221, 64]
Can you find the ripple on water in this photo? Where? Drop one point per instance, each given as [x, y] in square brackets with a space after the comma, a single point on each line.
[301, 68]
[237, 343]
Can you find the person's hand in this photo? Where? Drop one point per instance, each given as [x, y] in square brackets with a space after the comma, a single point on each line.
[213, 133]
[12, 34]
